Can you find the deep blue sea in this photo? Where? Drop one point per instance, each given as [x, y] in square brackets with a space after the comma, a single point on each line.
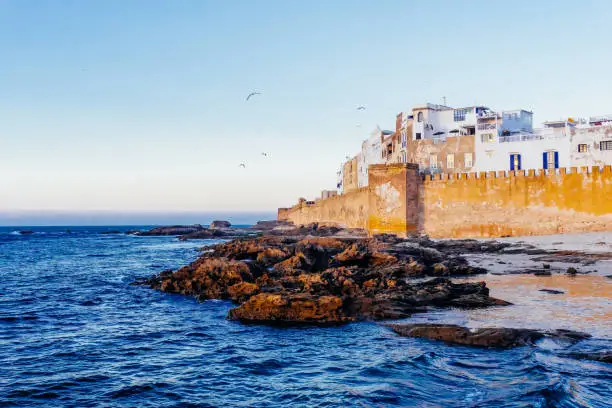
[74, 333]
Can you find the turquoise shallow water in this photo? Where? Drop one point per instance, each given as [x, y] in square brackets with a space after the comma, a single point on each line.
[74, 333]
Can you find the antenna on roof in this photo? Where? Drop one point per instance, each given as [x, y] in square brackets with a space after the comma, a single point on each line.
[444, 100]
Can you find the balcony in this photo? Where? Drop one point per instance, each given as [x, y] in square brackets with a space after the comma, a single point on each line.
[520, 137]
[487, 126]
[487, 115]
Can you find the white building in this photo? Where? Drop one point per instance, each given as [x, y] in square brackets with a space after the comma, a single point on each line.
[564, 143]
[438, 121]
[371, 153]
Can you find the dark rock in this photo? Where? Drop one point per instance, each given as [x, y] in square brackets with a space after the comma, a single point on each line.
[220, 224]
[110, 232]
[484, 337]
[572, 271]
[283, 309]
[172, 230]
[546, 266]
[204, 234]
[544, 272]
[602, 356]
[26, 232]
[552, 291]
[270, 225]
[325, 280]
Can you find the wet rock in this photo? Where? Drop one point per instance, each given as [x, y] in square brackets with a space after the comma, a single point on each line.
[171, 230]
[204, 234]
[26, 232]
[283, 309]
[489, 337]
[326, 280]
[110, 232]
[552, 291]
[543, 272]
[271, 224]
[271, 256]
[241, 292]
[317, 252]
[572, 271]
[220, 224]
[602, 356]
[495, 337]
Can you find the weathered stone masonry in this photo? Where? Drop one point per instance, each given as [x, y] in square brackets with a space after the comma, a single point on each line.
[491, 204]
[388, 204]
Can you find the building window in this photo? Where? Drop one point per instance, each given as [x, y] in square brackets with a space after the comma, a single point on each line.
[468, 160]
[605, 145]
[487, 138]
[550, 160]
[583, 148]
[459, 115]
[404, 157]
[420, 117]
[515, 161]
[418, 136]
[433, 161]
[450, 161]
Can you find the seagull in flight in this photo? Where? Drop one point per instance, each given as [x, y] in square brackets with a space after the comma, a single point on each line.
[361, 108]
[242, 165]
[252, 94]
[264, 154]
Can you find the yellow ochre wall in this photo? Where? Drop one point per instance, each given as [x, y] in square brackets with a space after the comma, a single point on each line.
[398, 201]
[517, 203]
[387, 205]
[349, 209]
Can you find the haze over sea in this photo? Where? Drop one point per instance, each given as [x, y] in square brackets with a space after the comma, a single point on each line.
[74, 333]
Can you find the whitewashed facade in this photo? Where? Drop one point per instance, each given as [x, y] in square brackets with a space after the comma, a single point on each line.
[567, 143]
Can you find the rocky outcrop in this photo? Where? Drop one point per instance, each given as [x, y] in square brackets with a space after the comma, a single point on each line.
[280, 308]
[220, 224]
[170, 230]
[484, 337]
[205, 233]
[325, 280]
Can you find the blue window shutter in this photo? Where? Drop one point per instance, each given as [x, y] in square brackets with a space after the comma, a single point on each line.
[556, 160]
[519, 162]
[545, 160]
[511, 162]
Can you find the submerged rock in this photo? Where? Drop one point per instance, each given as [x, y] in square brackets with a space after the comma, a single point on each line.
[602, 356]
[497, 337]
[552, 291]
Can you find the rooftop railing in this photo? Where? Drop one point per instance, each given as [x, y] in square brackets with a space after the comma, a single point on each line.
[522, 137]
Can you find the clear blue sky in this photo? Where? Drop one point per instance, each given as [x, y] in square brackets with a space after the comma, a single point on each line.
[126, 105]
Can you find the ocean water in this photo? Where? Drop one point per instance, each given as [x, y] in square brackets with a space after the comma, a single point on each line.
[74, 333]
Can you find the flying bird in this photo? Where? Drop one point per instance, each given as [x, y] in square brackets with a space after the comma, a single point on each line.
[252, 94]
[264, 154]
[242, 165]
[361, 108]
